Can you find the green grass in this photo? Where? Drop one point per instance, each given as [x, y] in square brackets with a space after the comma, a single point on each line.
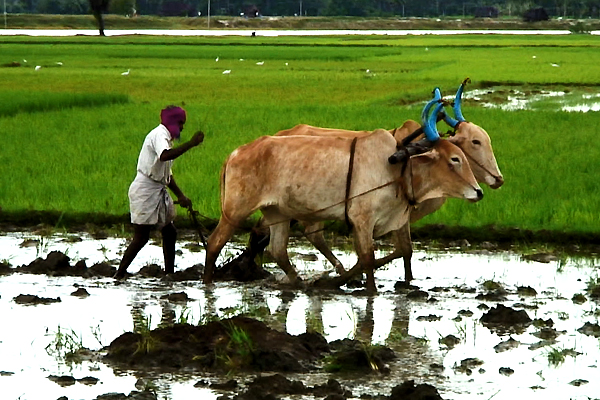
[72, 133]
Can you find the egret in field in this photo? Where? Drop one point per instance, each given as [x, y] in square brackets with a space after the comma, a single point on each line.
[59, 63]
[260, 63]
[216, 59]
[126, 72]
[226, 72]
[555, 65]
[38, 67]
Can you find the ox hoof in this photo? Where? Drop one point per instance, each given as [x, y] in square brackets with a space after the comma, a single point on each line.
[294, 281]
[120, 276]
[327, 282]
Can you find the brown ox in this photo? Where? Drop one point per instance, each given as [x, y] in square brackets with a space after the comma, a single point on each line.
[304, 178]
[473, 141]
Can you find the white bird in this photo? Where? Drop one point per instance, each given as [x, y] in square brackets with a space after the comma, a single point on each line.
[58, 63]
[24, 60]
[38, 67]
[260, 63]
[534, 57]
[241, 59]
[286, 63]
[368, 71]
[227, 71]
[126, 72]
[555, 65]
[217, 59]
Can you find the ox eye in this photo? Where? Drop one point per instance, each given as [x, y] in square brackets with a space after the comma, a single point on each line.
[476, 142]
[455, 160]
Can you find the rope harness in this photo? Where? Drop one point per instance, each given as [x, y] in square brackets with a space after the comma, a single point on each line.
[346, 200]
[407, 188]
[349, 181]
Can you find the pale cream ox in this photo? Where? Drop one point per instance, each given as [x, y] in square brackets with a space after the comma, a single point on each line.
[473, 141]
[304, 178]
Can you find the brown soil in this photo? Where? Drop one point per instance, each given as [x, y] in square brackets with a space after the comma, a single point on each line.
[230, 344]
[287, 22]
[218, 346]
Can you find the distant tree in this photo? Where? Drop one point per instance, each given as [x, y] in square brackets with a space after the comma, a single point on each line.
[98, 8]
[486, 12]
[178, 8]
[123, 7]
[536, 15]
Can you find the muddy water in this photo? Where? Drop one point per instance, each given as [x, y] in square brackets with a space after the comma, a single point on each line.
[412, 327]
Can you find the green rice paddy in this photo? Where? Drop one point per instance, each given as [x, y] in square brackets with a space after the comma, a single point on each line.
[72, 129]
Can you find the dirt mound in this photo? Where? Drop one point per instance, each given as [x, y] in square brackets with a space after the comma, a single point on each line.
[57, 263]
[506, 319]
[238, 343]
[409, 391]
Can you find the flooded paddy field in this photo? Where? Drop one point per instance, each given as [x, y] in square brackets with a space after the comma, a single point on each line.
[439, 331]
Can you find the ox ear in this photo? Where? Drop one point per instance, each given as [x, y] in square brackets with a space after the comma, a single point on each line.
[426, 158]
[457, 140]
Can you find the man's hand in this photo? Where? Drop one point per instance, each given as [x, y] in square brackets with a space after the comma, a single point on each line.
[184, 202]
[197, 138]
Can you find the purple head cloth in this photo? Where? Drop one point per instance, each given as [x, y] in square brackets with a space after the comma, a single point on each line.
[170, 117]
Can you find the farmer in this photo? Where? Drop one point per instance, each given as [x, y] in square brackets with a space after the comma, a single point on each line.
[150, 204]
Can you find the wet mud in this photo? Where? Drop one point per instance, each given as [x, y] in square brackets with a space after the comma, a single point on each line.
[245, 357]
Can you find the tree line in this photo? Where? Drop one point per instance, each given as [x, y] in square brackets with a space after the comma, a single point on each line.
[359, 8]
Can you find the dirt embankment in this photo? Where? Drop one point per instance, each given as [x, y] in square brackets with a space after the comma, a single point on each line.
[28, 21]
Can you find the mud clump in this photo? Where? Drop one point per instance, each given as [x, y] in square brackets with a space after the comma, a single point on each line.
[134, 395]
[5, 268]
[57, 263]
[590, 329]
[504, 318]
[353, 355]
[243, 268]
[409, 391]
[32, 299]
[238, 343]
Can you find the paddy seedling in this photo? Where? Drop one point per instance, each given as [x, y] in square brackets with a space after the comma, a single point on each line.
[65, 345]
[238, 351]
[555, 356]
[75, 107]
[142, 325]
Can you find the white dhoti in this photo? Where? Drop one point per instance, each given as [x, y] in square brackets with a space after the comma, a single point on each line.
[150, 202]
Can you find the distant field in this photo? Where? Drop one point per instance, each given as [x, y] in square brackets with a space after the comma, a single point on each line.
[72, 129]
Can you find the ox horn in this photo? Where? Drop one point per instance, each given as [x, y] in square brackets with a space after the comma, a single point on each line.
[457, 106]
[437, 96]
[429, 128]
[429, 121]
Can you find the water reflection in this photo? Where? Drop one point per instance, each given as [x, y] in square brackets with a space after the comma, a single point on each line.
[513, 99]
[413, 328]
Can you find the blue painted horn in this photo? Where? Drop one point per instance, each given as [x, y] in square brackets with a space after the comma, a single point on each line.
[456, 107]
[429, 124]
[437, 96]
